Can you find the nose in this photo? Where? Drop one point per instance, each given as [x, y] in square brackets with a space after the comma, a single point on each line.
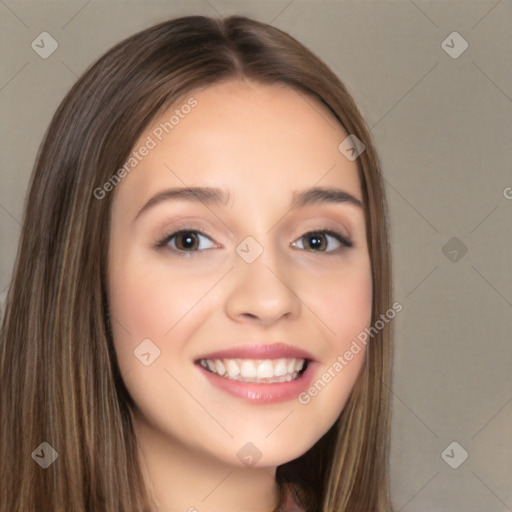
[262, 293]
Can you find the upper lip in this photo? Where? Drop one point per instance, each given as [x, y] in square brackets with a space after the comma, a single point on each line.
[259, 351]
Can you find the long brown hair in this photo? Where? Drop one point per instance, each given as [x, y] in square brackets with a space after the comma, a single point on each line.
[59, 381]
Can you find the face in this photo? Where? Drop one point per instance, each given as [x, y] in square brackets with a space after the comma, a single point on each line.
[265, 280]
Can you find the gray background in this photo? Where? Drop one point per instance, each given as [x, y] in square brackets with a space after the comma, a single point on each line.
[442, 127]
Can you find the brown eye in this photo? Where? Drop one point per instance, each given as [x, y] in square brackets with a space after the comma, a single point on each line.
[318, 241]
[186, 242]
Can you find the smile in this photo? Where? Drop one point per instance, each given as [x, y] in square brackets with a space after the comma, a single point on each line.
[264, 371]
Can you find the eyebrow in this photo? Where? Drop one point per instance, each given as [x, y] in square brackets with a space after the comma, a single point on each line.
[209, 195]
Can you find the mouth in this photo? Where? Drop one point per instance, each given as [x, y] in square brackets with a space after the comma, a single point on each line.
[259, 373]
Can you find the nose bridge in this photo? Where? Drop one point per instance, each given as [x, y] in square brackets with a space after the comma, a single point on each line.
[262, 283]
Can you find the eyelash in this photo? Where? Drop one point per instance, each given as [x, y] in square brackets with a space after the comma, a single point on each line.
[163, 242]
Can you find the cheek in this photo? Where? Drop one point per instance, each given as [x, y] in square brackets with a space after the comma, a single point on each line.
[344, 306]
[350, 308]
[343, 303]
[149, 301]
[142, 307]
[152, 301]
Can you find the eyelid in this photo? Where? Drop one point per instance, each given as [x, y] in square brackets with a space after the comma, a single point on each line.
[175, 230]
[329, 227]
[345, 241]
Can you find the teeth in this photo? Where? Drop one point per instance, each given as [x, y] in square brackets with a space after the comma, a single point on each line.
[261, 370]
[219, 367]
[248, 369]
[232, 368]
[281, 368]
[265, 370]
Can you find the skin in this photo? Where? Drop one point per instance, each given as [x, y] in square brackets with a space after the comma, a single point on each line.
[261, 143]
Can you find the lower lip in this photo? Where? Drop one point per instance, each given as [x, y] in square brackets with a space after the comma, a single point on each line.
[266, 393]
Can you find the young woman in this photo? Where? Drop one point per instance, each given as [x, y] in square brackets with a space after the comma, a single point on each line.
[199, 316]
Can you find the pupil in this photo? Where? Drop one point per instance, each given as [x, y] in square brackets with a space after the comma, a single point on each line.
[316, 241]
[188, 241]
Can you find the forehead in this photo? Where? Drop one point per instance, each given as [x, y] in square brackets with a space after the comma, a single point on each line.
[247, 137]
